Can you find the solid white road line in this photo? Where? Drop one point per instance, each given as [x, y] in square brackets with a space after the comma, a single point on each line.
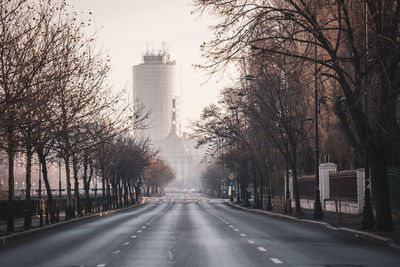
[276, 261]
[116, 252]
[251, 241]
[243, 235]
[133, 236]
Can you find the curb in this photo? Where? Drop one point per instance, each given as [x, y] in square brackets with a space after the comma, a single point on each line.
[356, 233]
[12, 236]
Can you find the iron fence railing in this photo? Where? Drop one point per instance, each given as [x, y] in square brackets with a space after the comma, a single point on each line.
[343, 185]
[306, 186]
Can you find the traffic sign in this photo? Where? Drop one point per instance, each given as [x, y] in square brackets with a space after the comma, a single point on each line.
[231, 176]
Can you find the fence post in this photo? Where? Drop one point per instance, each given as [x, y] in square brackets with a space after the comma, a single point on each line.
[360, 190]
[324, 170]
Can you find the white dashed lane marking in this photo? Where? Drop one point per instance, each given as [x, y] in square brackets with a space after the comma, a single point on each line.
[237, 230]
[231, 226]
[101, 265]
[143, 227]
[261, 249]
[116, 252]
[251, 242]
[133, 236]
[243, 235]
[126, 243]
[276, 261]
[139, 231]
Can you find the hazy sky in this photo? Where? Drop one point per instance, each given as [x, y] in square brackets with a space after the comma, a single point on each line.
[125, 26]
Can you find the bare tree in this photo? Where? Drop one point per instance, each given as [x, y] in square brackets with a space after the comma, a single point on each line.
[332, 35]
[27, 37]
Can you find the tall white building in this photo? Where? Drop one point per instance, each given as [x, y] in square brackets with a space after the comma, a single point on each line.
[156, 82]
[157, 85]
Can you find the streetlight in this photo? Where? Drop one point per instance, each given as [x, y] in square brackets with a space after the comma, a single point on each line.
[234, 110]
[318, 214]
[40, 195]
[288, 205]
[59, 177]
[368, 216]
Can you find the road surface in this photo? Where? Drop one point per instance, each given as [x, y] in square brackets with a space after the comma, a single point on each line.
[190, 230]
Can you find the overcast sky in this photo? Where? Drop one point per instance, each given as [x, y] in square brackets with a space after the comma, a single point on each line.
[124, 27]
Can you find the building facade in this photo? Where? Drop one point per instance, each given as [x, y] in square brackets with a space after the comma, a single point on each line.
[157, 85]
[156, 82]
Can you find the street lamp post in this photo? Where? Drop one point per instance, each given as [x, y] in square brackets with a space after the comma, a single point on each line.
[368, 216]
[269, 203]
[40, 196]
[59, 178]
[318, 214]
[234, 109]
[288, 205]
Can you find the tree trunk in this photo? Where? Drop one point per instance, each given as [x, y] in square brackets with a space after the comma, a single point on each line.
[103, 179]
[28, 203]
[69, 195]
[137, 192]
[86, 183]
[130, 187]
[293, 162]
[76, 185]
[50, 201]
[255, 186]
[119, 195]
[10, 210]
[116, 200]
[108, 205]
[125, 194]
[296, 192]
[113, 197]
[381, 194]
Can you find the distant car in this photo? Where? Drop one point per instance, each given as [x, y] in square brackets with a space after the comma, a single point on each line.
[189, 191]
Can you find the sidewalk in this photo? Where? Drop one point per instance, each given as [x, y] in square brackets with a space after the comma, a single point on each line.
[349, 223]
[19, 223]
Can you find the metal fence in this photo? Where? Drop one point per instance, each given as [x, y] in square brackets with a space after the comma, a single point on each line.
[394, 184]
[39, 205]
[343, 185]
[306, 186]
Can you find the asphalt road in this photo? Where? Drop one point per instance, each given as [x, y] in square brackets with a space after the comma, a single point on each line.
[190, 230]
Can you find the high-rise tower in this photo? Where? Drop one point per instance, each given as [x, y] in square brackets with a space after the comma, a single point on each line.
[156, 83]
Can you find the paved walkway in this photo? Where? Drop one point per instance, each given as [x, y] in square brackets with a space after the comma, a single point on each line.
[352, 221]
[19, 224]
